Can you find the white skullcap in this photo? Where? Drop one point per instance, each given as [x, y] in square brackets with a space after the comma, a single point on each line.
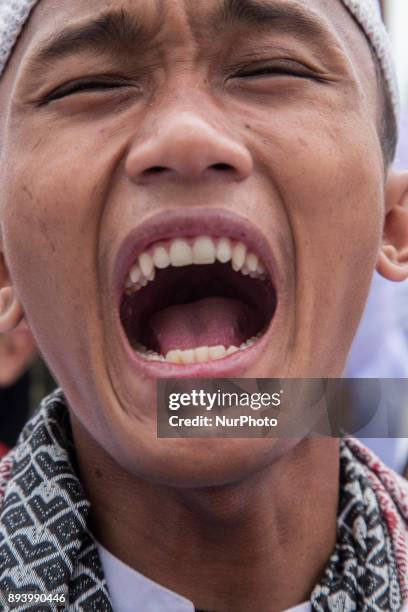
[15, 13]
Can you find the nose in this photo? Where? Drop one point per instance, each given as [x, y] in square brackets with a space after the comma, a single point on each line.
[186, 147]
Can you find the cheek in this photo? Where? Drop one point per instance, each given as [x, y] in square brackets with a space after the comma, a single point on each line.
[50, 234]
[326, 164]
[338, 219]
[330, 179]
[330, 185]
[335, 201]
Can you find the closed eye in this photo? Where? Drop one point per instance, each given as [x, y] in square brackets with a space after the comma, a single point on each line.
[94, 85]
[281, 67]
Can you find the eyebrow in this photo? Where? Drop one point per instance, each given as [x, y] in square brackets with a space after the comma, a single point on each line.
[118, 31]
[266, 14]
[114, 31]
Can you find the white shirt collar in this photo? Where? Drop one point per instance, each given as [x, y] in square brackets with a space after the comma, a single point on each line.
[130, 591]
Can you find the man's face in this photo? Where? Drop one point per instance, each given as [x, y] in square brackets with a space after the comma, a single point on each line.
[254, 126]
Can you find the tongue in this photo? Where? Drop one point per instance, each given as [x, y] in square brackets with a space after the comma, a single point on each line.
[208, 322]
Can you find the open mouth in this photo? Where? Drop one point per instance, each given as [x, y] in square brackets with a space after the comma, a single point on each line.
[192, 300]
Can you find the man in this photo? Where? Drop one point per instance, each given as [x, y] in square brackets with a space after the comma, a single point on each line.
[195, 189]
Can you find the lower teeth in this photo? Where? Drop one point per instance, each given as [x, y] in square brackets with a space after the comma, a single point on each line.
[201, 354]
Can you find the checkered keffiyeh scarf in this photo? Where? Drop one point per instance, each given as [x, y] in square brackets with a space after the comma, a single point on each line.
[46, 544]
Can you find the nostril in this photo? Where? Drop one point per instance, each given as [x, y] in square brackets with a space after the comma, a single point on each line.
[155, 170]
[222, 167]
[160, 170]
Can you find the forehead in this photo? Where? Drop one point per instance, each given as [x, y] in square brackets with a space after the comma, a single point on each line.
[197, 16]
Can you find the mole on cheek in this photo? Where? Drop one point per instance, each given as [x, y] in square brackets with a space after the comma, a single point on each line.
[28, 192]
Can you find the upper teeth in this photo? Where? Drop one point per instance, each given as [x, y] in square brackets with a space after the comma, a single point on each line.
[201, 250]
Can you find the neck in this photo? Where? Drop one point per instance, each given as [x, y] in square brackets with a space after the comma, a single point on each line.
[258, 545]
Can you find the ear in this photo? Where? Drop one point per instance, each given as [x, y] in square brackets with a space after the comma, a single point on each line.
[393, 257]
[11, 311]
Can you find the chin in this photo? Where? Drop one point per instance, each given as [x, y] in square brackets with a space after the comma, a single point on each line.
[200, 462]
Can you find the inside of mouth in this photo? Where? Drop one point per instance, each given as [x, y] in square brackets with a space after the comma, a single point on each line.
[197, 306]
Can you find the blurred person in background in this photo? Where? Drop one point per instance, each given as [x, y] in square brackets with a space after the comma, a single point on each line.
[24, 380]
[17, 354]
